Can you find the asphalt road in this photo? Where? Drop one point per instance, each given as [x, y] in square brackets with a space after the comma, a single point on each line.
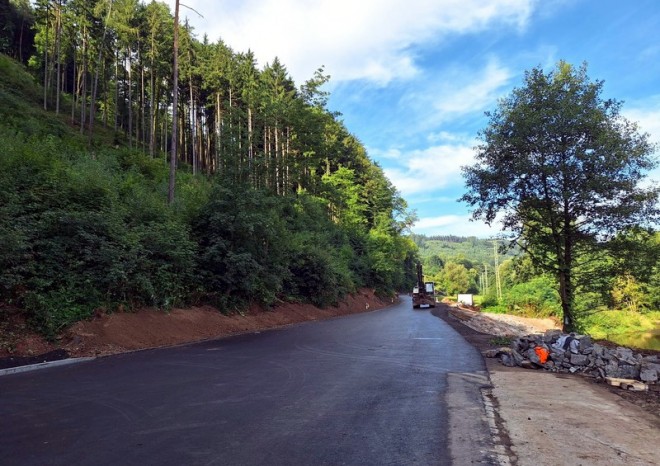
[367, 389]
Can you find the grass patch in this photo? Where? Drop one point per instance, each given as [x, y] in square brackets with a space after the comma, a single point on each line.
[500, 341]
[608, 323]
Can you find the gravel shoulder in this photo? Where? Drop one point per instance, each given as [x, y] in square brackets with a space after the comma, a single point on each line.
[550, 418]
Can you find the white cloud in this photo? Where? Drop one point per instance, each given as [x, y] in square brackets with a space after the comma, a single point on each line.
[445, 136]
[451, 95]
[384, 154]
[647, 115]
[369, 39]
[454, 225]
[481, 92]
[430, 169]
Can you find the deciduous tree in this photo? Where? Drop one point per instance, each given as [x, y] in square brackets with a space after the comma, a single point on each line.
[564, 170]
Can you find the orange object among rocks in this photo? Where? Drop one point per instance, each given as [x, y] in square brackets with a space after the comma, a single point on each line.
[542, 353]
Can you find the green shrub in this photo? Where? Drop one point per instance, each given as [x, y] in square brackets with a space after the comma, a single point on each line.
[50, 312]
[535, 298]
[241, 245]
[489, 300]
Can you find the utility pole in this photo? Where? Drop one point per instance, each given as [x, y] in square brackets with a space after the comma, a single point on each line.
[498, 284]
[485, 278]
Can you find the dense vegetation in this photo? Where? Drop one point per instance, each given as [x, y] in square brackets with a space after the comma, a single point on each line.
[275, 199]
[619, 291]
[461, 264]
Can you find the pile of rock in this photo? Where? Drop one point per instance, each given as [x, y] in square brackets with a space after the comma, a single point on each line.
[577, 353]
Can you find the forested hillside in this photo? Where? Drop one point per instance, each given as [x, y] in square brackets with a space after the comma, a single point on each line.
[462, 264]
[274, 198]
[619, 291]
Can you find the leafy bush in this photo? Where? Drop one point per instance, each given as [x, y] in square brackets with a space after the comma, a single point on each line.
[81, 234]
[535, 298]
[311, 276]
[241, 245]
[489, 300]
[52, 311]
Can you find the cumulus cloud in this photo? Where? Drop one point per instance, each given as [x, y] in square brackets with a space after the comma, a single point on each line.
[451, 95]
[370, 39]
[647, 115]
[392, 153]
[455, 225]
[430, 169]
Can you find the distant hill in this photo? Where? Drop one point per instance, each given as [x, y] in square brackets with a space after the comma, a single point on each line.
[471, 251]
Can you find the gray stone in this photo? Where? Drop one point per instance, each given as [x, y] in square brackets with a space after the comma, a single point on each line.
[528, 364]
[598, 350]
[517, 357]
[507, 360]
[492, 353]
[650, 365]
[628, 371]
[556, 353]
[520, 344]
[579, 359]
[532, 356]
[624, 354]
[551, 335]
[648, 375]
[585, 343]
[612, 369]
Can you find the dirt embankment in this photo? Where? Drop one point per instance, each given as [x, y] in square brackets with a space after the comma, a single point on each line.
[119, 332]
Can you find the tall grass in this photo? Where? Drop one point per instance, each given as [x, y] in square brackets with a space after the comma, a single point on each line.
[608, 323]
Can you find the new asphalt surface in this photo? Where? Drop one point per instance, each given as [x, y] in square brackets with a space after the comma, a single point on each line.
[367, 389]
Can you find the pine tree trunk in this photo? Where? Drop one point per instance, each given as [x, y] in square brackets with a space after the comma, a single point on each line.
[130, 96]
[46, 62]
[92, 103]
[20, 41]
[75, 94]
[83, 97]
[58, 39]
[192, 123]
[116, 124]
[277, 161]
[251, 174]
[152, 116]
[218, 131]
[175, 103]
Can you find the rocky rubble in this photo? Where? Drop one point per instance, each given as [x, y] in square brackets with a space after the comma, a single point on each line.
[559, 352]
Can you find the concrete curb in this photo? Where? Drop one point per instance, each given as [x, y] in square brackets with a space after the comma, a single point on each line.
[42, 365]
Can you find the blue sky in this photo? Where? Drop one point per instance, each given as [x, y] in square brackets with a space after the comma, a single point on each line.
[412, 79]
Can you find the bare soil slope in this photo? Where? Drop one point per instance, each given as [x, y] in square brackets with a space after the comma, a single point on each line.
[119, 332]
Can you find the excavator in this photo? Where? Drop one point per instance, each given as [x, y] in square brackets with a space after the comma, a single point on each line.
[423, 294]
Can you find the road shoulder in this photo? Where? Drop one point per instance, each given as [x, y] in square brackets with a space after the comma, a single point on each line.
[549, 418]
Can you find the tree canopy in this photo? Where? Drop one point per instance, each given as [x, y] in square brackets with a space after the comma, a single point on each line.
[563, 170]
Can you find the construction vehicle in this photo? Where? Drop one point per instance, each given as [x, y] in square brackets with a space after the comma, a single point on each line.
[423, 294]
